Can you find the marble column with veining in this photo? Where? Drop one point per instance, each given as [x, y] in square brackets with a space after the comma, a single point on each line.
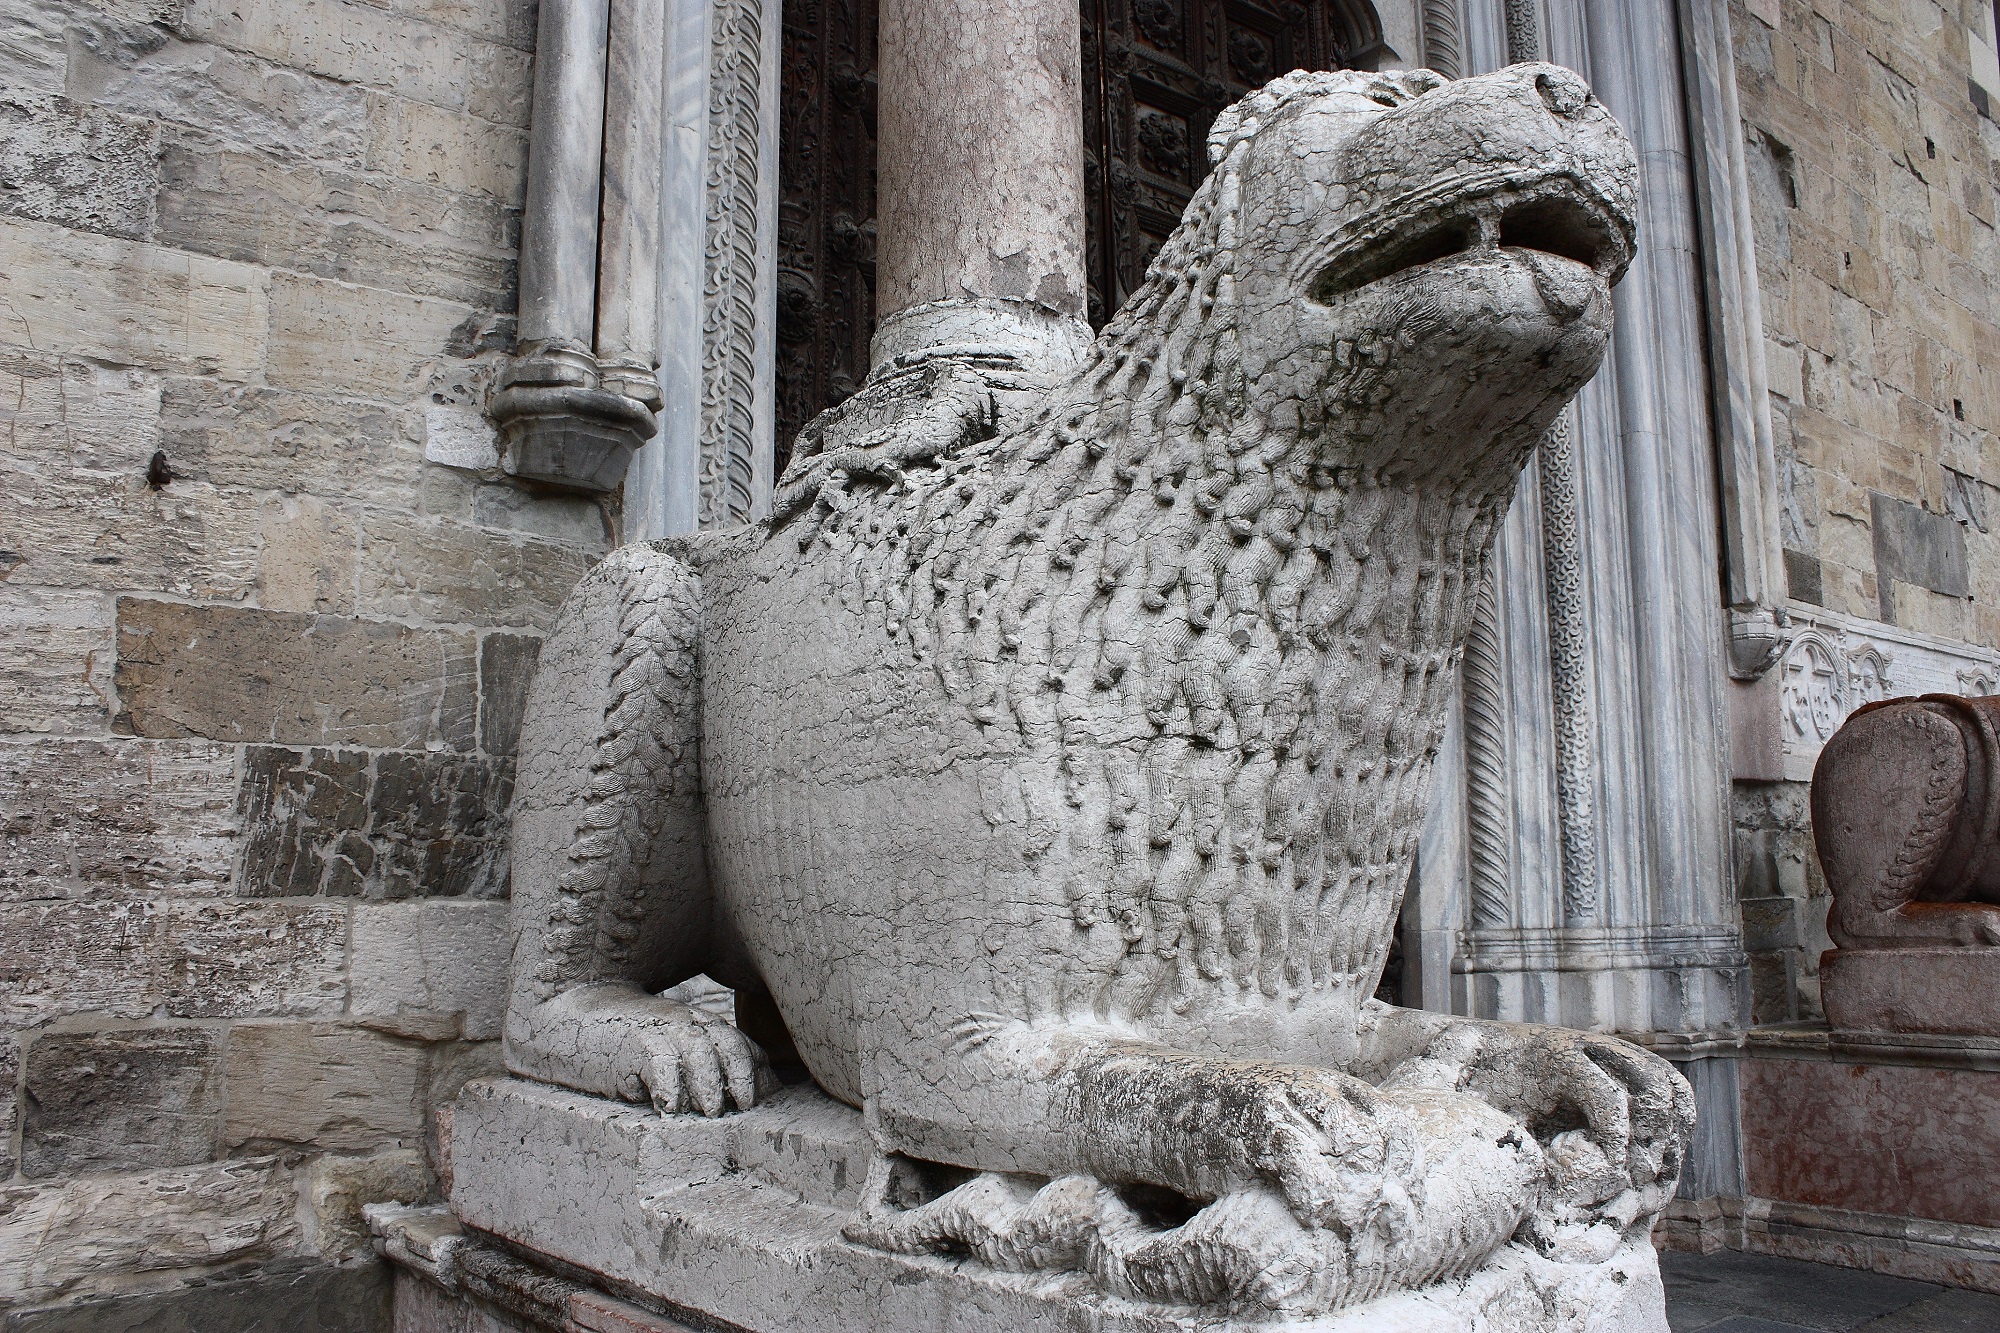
[565, 150]
[980, 176]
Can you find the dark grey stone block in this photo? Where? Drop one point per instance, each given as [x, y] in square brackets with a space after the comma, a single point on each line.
[121, 1100]
[506, 669]
[320, 1299]
[1803, 578]
[1915, 546]
[345, 823]
[1754, 1293]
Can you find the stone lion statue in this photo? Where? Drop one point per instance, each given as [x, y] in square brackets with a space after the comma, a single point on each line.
[1054, 758]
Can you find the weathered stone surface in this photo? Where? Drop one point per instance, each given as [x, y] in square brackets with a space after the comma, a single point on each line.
[447, 150]
[337, 1187]
[396, 824]
[234, 959]
[186, 958]
[272, 439]
[1004, 738]
[95, 1234]
[226, 97]
[55, 658]
[84, 817]
[506, 670]
[32, 55]
[121, 1100]
[407, 235]
[360, 44]
[132, 304]
[578, 520]
[78, 957]
[239, 675]
[77, 166]
[64, 413]
[1915, 546]
[323, 1085]
[1875, 1138]
[294, 1296]
[445, 571]
[419, 960]
[1919, 990]
[336, 337]
[307, 560]
[81, 528]
[10, 1104]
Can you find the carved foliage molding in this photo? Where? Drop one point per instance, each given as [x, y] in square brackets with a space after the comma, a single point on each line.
[730, 316]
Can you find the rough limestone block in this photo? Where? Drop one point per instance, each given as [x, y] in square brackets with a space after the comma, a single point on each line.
[336, 337]
[323, 1085]
[577, 519]
[61, 958]
[417, 960]
[235, 959]
[32, 54]
[240, 675]
[82, 528]
[84, 817]
[60, 412]
[226, 97]
[274, 439]
[457, 437]
[446, 571]
[133, 304]
[296, 1296]
[355, 43]
[55, 658]
[336, 1188]
[307, 556]
[448, 149]
[388, 824]
[94, 1234]
[10, 1107]
[122, 1100]
[406, 236]
[506, 669]
[77, 166]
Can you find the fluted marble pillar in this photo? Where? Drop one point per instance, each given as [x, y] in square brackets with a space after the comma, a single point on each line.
[980, 177]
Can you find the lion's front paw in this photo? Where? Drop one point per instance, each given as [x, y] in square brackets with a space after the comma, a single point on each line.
[696, 1065]
[615, 1040]
[1616, 1119]
[1338, 1154]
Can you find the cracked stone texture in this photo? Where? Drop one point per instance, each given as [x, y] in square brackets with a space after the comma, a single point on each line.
[1061, 781]
[122, 1100]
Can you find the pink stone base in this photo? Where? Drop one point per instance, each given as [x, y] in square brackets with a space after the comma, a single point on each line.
[1897, 1140]
[1951, 991]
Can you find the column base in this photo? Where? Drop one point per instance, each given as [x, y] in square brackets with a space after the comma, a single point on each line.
[1040, 341]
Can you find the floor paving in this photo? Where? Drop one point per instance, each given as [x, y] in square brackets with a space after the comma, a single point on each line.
[1750, 1293]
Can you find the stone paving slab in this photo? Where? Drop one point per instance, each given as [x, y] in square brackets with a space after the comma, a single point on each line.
[1750, 1293]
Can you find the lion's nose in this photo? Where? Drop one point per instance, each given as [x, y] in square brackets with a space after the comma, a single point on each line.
[1564, 91]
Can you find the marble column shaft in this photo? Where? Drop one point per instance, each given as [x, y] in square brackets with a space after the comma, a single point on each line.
[980, 164]
[565, 153]
[629, 231]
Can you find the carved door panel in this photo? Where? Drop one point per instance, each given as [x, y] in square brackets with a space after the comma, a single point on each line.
[1155, 73]
[826, 208]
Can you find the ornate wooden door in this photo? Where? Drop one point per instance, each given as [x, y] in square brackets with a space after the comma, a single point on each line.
[1155, 73]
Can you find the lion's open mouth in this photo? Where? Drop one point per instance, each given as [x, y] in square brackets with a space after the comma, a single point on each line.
[1553, 218]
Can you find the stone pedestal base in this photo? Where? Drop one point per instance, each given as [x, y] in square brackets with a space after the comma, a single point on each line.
[739, 1220]
[1949, 991]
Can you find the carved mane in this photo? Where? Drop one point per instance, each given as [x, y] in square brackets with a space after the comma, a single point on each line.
[1189, 624]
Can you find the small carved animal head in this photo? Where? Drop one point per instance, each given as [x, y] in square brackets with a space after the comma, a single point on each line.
[1419, 270]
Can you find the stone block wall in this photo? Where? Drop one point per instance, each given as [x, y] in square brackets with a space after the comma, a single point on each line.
[1873, 158]
[262, 651]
